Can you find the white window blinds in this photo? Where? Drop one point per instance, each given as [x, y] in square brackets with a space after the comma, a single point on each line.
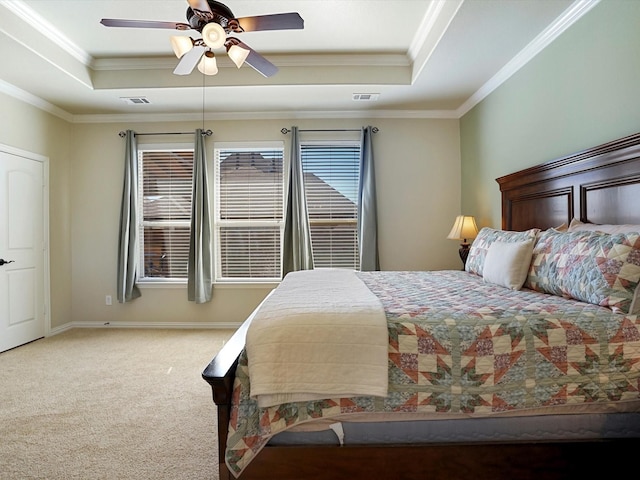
[248, 212]
[165, 178]
[331, 173]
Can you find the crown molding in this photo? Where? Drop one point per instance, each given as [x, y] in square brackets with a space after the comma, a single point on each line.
[280, 60]
[22, 10]
[576, 11]
[26, 97]
[435, 23]
[275, 115]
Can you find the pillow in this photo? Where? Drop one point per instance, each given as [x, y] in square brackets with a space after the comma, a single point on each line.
[578, 226]
[507, 264]
[592, 267]
[486, 236]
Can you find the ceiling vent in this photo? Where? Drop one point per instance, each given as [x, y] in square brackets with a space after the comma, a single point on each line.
[365, 97]
[135, 100]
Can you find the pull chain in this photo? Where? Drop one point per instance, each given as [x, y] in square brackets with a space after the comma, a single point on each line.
[203, 92]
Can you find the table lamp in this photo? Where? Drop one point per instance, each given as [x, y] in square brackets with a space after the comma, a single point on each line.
[464, 228]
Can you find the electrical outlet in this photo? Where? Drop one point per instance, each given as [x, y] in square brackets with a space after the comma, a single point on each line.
[107, 300]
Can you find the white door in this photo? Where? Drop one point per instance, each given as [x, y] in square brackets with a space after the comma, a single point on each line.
[22, 250]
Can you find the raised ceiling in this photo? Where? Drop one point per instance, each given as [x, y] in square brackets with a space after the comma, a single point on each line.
[422, 57]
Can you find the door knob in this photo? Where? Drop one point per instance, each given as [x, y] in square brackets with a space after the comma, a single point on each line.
[3, 261]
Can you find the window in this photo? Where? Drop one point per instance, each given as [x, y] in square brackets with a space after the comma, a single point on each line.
[165, 184]
[331, 175]
[249, 211]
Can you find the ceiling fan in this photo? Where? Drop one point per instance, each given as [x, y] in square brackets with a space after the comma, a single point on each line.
[215, 21]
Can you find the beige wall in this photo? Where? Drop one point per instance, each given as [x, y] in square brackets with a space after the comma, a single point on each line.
[30, 129]
[417, 170]
[581, 91]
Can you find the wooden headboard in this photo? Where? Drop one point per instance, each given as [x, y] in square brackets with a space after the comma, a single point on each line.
[598, 185]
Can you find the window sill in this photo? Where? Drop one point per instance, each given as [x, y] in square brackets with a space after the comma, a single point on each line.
[163, 284]
[218, 286]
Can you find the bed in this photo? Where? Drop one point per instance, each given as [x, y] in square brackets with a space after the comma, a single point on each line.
[500, 371]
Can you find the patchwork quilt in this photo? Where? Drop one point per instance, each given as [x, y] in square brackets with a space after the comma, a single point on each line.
[458, 345]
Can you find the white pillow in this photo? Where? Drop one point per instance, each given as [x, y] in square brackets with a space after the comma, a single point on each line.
[578, 226]
[507, 264]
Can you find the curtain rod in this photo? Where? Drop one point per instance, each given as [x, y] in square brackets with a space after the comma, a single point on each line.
[374, 129]
[208, 133]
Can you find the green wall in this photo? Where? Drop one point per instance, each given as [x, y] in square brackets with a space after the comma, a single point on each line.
[582, 90]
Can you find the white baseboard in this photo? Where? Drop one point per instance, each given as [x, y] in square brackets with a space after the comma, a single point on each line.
[147, 325]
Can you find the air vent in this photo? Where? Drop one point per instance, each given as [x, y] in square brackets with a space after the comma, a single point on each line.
[365, 97]
[135, 100]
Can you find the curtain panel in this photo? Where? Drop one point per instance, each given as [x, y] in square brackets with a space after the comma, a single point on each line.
[296, 251]
[128, 249]
[367, 207]
[200, 269]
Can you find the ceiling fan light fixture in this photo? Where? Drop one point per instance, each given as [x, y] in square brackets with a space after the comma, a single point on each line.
[208, 64]
[214, 35]
[181, 45]
[214, 20]
[238, 54]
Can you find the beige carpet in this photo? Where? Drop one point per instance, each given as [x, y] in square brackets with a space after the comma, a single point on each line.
[109, 404]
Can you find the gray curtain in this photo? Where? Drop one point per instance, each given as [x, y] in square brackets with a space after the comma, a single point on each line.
[128, 235]
[296, 251]
[367, 209]
[200, 278]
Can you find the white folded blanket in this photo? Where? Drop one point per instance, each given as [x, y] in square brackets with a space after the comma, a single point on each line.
[320, 334]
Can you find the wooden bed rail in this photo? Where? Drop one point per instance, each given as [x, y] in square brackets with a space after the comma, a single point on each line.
[489, 461]
[220, 374]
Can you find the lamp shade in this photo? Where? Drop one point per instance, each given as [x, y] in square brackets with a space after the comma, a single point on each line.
[213, 35]
[208, 65]
[464, 228]
[238, 54]
[181, 45]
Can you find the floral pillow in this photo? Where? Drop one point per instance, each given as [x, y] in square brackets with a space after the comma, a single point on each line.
[486, 236]
[593, 267]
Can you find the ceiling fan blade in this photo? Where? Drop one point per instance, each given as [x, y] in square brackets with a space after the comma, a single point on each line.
[277, 21]
[200, 5]
[202, 13]
[115, 22]
[258, 62]
[189, 61]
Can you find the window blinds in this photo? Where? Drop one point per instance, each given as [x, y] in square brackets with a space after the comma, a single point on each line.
[166, 184]
[331, 173]
[248, 212]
